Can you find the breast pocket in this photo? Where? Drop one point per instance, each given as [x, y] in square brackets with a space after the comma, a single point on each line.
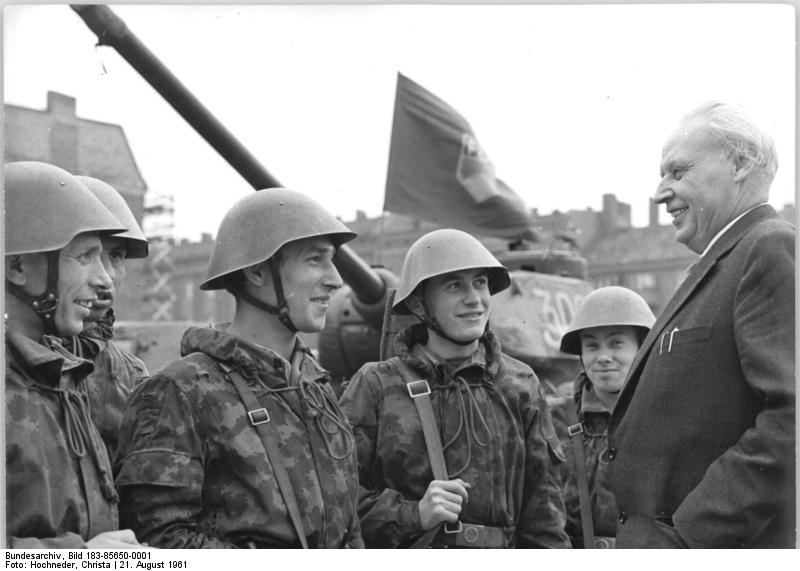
[681, 341]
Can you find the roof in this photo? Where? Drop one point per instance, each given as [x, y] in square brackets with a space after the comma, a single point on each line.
[632, 245]
[102, 150]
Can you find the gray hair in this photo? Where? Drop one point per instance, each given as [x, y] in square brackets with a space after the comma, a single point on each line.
[740, 135]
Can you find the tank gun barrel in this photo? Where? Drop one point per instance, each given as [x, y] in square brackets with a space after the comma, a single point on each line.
[112, 31]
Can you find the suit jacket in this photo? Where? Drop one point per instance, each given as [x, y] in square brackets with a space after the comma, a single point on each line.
[702, 440]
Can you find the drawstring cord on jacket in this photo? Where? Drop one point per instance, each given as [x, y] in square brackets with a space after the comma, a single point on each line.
[80, 435]
[466, 416]
[319, 407]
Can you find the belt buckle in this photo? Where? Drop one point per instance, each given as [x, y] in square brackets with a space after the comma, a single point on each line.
[574, 429]
[603, 543]
[450, 530]
[471, 534]
[258, 416]
[418, 388]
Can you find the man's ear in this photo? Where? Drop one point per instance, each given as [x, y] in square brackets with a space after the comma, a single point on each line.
[742, 167]
[414, 303]
[16, 270]
[257, 274]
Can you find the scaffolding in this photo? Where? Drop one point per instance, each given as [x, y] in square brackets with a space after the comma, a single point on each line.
[159, 225]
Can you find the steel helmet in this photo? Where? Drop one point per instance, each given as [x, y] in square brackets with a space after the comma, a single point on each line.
[441, 252]
[136, 244]
[46, 207]
[259, 224]
[612, 305]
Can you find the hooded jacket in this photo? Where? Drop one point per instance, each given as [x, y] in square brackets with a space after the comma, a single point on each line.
[192, 470]
[594, 417]
[496, 432]
[116, 373]
[59, 488]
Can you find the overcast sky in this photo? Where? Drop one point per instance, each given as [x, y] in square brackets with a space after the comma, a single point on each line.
[569, 102]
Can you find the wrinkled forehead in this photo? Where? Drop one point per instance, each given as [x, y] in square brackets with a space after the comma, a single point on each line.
[691, 139]
[691, 133]
[83, 242]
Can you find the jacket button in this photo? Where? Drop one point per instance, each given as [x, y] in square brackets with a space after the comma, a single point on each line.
[622, 517]
[612, 453]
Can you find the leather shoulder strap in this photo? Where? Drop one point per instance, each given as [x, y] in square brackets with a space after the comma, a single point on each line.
[420, 393]
[575, 429]
[259, 418]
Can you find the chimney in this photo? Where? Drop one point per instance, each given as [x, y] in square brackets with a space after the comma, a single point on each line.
[62, 131]
[653, 213]
[60, 105]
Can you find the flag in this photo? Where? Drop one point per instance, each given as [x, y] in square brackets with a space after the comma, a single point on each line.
[439, 172]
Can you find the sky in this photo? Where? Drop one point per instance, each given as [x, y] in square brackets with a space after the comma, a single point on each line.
[570, 102]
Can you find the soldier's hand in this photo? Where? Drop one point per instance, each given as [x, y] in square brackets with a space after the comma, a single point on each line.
[442, 502]
[120, 539]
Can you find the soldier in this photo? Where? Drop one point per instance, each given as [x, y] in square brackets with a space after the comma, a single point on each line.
[59, 487]
[241, 442]
[486, 412]
[605, 332]
[116, 372]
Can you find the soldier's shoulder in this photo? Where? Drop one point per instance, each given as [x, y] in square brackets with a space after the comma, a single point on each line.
[187, 373]
[517, 374]
[558, 406]
[380, 372]
[515, 365]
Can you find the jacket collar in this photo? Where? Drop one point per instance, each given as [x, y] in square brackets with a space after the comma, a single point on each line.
[585, 397]
[47, 360]
[251, 360]
[408, 346]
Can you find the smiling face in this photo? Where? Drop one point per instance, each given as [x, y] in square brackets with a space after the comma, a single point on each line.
[113, 258]
[309, 278]
[699, 185]
[80, 277]
[607, 354]
[459, 302]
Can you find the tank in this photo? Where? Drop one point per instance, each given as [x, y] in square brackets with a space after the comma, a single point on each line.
[529, 317]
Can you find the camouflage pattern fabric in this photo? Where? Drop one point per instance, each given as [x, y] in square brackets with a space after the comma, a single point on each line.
[192, 471]
[59, 491]
[594, 416]
[497, 435]
[116, 373]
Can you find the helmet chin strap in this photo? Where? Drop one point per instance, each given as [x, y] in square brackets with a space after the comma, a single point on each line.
[45, 304]
[282, 308]
[434, 326]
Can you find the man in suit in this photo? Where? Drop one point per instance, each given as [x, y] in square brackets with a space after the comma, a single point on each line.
[702, 439]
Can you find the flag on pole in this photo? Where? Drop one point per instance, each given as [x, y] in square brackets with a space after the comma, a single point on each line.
[439, 172]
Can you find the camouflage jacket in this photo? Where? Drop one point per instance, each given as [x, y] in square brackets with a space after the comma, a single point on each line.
[193, 472]
[594, 416]
[59, 489]
[116, 374]
[497, 435]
